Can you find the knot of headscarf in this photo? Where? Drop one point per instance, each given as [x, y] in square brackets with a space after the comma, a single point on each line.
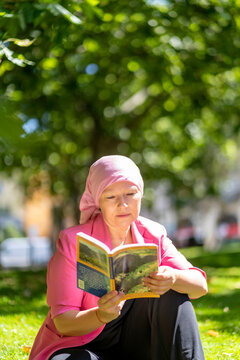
[103, 173]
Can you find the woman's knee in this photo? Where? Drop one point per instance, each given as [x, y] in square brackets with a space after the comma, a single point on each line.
[168, 303]
[172, 296]
[75, 354]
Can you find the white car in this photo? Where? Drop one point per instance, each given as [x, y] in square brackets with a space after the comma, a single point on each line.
[25, 252]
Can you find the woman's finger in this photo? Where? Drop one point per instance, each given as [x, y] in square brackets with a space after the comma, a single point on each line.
[105, 298]
[111, 299]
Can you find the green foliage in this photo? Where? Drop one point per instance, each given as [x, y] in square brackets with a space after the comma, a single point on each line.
[159, 83]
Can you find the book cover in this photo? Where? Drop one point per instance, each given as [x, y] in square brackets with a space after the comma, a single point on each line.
[101, 270]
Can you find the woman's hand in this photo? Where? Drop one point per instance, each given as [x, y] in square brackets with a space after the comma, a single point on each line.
[189, 281]
[162, 281]
[109, 306]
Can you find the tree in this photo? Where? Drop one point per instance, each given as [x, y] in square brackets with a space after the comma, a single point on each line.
[156, 81]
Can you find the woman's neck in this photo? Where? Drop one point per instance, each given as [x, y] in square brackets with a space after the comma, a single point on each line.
[119, 239]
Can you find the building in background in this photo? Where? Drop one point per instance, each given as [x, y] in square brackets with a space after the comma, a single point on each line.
[33, 216]
[25, 226]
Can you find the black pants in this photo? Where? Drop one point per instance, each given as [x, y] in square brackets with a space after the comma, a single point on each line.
[162, 328]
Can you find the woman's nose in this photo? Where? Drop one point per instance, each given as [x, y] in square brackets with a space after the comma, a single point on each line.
[123, 200]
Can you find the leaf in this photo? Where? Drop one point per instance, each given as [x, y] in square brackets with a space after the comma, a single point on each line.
[20, 60]
[213, 333]
[11, 128]
[26, 349]
[9, 54]
[4, 14]
[93, 2]
[20, 42]
[59, 9]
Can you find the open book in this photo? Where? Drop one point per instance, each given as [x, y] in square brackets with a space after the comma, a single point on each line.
[100, 270]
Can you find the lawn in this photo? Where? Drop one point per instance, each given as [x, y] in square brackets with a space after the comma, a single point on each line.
[218, 312]
[22, 310]
[23, 306]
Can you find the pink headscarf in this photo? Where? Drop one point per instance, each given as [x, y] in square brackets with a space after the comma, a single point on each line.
[103, 173]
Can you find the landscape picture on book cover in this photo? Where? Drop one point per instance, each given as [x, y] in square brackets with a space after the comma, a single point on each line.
[93, 255]
[130, 268]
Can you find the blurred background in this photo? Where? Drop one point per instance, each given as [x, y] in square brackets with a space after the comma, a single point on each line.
[158, 81]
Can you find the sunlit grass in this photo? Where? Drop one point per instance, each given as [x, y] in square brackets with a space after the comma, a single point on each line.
[23, 306]
[22, 311]
[218, 312]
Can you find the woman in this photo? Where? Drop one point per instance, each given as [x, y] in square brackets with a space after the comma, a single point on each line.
[80, 325]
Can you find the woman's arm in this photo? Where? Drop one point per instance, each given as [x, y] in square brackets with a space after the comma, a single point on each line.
[78, 323]
[190, 281]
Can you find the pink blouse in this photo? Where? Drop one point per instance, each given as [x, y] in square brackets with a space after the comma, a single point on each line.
[63, 294]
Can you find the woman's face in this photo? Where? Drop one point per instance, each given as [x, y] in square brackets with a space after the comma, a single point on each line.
[120, 205]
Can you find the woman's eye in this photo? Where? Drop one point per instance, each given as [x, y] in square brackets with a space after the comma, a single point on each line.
[130, 194]
[110, 197]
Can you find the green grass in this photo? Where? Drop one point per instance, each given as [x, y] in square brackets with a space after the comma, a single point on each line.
[23, 306]
[218, 312]
[22, 311]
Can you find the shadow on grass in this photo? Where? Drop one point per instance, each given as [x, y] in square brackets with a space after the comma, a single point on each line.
[222, 309]
[217, 260]
[21, 291]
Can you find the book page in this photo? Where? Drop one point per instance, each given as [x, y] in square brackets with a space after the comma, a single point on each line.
[131, 265]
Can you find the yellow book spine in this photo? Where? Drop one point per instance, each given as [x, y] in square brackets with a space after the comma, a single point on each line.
[112, 283]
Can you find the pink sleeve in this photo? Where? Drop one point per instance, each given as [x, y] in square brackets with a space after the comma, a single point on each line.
[170, 256]
[62, 292]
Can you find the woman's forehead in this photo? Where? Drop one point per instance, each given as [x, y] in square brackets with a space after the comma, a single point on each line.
[120, 186]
